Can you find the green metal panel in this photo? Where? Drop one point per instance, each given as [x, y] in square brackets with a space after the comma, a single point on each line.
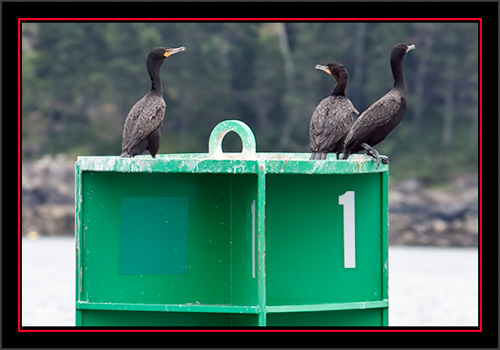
[342, 318]
[304, 241]
[207, 276]
[230, 239]
[168, 319]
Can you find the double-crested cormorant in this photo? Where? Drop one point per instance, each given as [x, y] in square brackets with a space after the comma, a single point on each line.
[374, 124]
[144, 122]
[333, 116]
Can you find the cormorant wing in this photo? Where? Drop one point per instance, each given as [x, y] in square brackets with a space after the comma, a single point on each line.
[377, 115]
[330, 122]
[144, 117]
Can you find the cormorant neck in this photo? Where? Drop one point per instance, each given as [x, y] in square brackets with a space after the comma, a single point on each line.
[397, 72]
[339, 89]
[154, 73]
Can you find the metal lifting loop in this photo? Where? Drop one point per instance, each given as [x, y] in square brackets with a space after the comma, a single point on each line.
[225, 127]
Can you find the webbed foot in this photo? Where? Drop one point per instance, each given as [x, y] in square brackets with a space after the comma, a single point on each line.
[372, 152]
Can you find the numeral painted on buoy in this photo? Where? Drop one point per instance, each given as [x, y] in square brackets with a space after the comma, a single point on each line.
[347, 201]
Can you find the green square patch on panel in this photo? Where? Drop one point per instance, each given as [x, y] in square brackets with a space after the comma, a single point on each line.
[153, 238]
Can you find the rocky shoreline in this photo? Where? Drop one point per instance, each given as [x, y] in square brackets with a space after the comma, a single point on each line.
[417, 215]
[422, 216]
[48, 196]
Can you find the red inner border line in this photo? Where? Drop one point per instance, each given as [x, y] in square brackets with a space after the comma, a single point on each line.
[263, 19]
[405, 19]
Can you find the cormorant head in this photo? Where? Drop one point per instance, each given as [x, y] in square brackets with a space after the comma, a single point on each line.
[336, 70]
[160, 53]
[399, 50]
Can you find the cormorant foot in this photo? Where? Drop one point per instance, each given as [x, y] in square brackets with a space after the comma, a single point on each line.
[372, 152]
[384, 159]
[375, 157]
[378, 158]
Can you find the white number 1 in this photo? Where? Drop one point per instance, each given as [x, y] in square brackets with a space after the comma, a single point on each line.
[347, 200]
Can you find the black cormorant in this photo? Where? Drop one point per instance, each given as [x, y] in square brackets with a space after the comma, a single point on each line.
[333, 116]
[144, 122]
[374, 124]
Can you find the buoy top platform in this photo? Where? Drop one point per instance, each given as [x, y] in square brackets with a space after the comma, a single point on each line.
[247, 161]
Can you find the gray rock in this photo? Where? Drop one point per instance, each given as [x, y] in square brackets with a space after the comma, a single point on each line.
[426, 216]
[48, 195]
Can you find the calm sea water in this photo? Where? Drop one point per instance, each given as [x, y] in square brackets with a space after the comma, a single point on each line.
[427, 286]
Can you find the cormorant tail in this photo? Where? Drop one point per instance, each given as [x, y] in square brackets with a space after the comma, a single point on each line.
[318, 155]
[126, 155]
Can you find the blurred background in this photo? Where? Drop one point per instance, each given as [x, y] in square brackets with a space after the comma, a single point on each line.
[79, 80]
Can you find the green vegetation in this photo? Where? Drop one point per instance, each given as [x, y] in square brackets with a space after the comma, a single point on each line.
[79, 81]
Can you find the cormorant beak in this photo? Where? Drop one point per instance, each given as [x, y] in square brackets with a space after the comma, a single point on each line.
[323, 68]
[171, 52]
[410, 47]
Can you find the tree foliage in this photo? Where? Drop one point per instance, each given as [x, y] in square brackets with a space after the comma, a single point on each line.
[80, 79]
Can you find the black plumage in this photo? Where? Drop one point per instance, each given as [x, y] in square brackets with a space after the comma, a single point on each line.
[333, 116]
[144, 122]
[378, 120]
